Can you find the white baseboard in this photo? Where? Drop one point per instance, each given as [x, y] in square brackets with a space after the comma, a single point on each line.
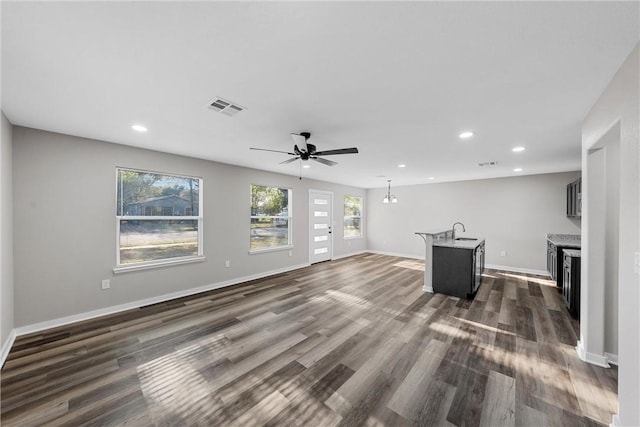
[612, 358]
[28, 329]
[6, 347]
[517, 269]
[615, 421]
[594, 359]
[490, 266]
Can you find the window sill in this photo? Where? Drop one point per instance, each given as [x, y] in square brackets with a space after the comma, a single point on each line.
[159, 264]
[353, 237]
[261, 251]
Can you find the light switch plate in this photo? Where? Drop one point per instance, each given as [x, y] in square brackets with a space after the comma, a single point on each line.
[636, 263]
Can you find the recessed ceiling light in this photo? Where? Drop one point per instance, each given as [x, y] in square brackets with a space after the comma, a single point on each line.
[432, 177]
[139, 128]
[466, 135]
[306, 166]
[402, 165]
[517, 170]
[517, 149]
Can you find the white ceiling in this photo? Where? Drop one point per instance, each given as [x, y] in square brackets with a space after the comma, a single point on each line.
[398, 80]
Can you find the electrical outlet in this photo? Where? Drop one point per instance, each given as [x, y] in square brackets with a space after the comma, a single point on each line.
[106, 284]
[290, 253]
[227, 263]
[636, 264]
[503, 253]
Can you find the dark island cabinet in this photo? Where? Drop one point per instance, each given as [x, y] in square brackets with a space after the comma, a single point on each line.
[458, 271]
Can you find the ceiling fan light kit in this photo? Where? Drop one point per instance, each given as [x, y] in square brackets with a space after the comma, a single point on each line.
[303, 150]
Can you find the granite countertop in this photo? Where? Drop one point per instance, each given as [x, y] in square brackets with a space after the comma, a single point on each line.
[460, 244]
[575, 253]
[566, 240]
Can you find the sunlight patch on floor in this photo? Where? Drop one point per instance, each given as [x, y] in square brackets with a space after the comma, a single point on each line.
[411, 264]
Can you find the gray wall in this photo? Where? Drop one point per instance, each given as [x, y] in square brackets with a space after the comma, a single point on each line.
[64, 211]
[6, 231]
[618, 108]
[513, 214]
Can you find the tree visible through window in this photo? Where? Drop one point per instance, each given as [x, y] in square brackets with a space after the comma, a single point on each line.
[352, 216]
[159, 217]
[270, 217]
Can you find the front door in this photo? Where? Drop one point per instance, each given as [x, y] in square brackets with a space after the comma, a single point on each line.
[320, 237]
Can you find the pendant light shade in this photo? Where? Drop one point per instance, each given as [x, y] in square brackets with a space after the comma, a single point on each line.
[389, 198]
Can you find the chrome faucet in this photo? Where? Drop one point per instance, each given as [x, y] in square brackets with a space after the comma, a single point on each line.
[453, 229]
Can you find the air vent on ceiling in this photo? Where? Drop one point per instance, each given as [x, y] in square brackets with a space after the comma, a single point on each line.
[225, 107]
[487, 164]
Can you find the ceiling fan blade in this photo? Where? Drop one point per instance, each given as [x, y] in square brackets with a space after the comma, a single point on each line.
[300, 141]
[273, 151]
[293, 159]
[324, 161]
[353, 150]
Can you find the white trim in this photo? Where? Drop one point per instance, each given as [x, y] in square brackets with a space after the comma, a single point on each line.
[594, 359]
[272, 249]
[36, 327]
[611, 358]
[6, 347]
[487, 266]
[615, 421]
[517, 269]
[157, 264]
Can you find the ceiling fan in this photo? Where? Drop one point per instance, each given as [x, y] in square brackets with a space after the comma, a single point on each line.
[304, 151]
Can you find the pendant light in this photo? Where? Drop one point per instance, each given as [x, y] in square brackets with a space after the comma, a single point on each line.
[389, 198]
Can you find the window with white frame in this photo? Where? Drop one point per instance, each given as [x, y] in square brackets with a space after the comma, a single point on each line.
[270, 218]
[352, 216]
[159, 218]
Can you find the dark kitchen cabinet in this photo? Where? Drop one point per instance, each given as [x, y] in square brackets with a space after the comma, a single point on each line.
[552, 260]
[574, 199]
[571, 282]
[458, 271]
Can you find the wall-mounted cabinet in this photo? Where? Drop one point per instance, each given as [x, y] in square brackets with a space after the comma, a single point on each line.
[574, 199]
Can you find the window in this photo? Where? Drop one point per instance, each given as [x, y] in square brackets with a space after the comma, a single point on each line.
[352, 216]
[159, 219]
[270, 218]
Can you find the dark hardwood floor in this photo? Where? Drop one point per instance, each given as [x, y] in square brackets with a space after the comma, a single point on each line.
[348, 342]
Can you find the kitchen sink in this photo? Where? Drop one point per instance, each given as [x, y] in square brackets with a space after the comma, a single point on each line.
[466, 238]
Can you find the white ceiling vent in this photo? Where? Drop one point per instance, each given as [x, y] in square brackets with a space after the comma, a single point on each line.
[225, 107]
[487, 164]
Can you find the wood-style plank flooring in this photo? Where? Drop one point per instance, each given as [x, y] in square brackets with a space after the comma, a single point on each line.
[348, 342]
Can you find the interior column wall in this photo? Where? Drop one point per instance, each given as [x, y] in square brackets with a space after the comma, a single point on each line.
[619, 105]
[6, 235]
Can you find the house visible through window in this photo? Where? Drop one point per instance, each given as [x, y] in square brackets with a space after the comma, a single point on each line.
[270, 218]
[352, 216]
[159, 217]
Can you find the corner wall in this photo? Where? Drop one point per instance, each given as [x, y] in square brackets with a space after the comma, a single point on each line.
[65, 226]
[513, 215]
[617, 109]
[6, 237]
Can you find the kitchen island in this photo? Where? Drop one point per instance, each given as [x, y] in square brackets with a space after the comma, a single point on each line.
[457, 266]
[452, 266]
